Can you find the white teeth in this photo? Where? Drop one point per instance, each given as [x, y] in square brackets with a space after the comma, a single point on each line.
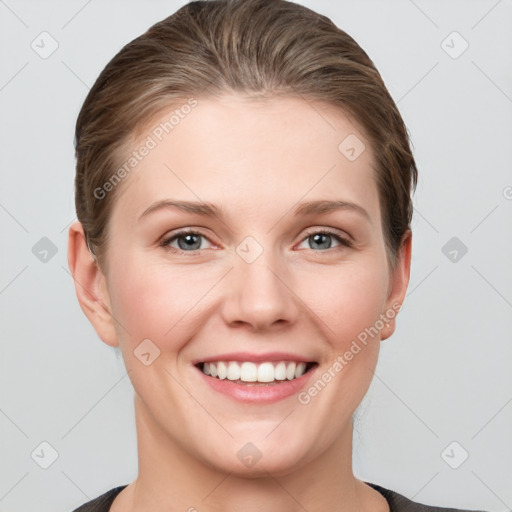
[248, 372]
[301, 368]
[255, 372]
[280, 371]
[290, 371]
[222, 370]
[265, 372]
[233, 371]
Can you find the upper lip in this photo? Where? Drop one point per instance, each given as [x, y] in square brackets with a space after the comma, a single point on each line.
[255, 358]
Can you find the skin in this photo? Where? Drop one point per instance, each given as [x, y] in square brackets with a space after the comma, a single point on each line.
[256, 160]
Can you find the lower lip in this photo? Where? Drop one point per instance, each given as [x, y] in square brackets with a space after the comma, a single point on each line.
[258, 393]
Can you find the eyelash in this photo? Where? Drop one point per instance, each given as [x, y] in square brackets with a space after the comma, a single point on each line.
[344, 242]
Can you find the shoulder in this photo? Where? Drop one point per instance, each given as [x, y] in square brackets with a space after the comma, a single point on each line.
[399, 503]
[101, 503]
[396, 502]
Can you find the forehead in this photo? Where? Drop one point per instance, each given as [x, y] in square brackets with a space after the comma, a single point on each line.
[246, 152]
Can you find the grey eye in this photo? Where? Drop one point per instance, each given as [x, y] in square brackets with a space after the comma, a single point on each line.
[320, 241]
[189, 241]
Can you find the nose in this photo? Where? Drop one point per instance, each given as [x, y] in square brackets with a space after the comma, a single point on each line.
[259, 295]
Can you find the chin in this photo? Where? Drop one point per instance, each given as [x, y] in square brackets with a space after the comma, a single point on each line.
[247, 459]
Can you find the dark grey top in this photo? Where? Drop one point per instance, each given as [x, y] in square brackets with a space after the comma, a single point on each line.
[397, 502]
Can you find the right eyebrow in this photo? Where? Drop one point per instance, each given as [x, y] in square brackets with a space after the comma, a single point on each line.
[198, 208]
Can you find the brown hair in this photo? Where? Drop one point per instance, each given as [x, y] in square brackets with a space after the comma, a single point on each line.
[254, 47]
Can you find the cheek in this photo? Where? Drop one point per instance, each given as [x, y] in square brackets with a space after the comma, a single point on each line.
[156, 300]
[159, 301]
[348, 300]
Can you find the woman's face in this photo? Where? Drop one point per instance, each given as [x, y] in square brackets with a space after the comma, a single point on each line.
[273, 279]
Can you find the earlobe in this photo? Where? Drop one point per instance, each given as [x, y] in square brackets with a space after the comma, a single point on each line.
[399, 281]
[90, 285]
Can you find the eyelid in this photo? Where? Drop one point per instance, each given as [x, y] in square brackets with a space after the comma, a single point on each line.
[344, 240]
[167, 239]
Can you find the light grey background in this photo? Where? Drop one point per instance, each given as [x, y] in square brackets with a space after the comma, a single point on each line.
[446, 373]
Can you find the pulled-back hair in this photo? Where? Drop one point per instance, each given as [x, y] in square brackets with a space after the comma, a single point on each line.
[258, 48]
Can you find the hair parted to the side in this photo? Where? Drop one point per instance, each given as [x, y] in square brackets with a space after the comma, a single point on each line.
[260, 48]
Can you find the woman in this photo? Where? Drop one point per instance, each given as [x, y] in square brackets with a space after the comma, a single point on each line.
[243, 198]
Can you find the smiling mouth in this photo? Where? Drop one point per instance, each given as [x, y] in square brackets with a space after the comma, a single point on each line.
[248, 372]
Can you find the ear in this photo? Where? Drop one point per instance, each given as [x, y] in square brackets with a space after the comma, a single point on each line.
[398, 282]
[90, 285]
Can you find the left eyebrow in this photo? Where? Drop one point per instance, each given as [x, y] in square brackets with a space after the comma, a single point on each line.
[318, 207]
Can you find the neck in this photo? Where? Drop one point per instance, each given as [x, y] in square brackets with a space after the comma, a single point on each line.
[172, 479]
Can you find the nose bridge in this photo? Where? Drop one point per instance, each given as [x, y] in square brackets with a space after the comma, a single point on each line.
[257, 293]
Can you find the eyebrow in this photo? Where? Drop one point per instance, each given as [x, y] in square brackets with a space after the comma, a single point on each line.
[198, 208]
[210, 210]
[316, 207]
